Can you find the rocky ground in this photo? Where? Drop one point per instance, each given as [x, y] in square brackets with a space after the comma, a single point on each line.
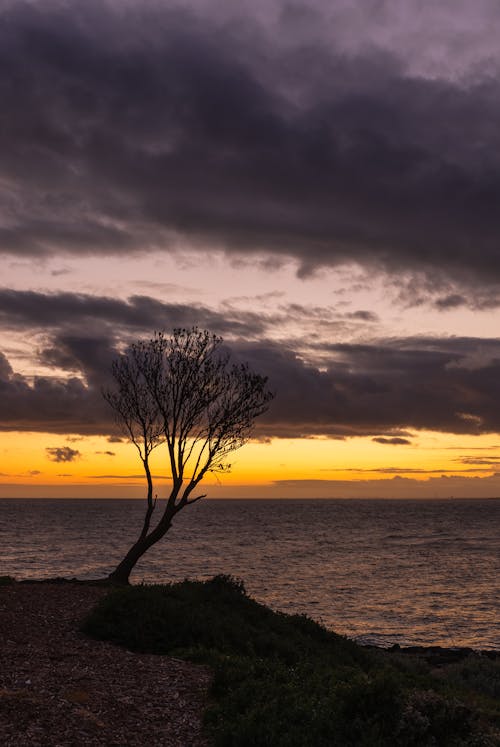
[59, 688]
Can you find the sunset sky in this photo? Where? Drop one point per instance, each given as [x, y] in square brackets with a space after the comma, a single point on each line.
[317, 182]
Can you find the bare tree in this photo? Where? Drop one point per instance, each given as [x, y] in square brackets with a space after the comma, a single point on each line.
[183, 391]
[138, 414]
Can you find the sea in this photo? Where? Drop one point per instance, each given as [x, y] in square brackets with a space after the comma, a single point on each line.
[382, 572]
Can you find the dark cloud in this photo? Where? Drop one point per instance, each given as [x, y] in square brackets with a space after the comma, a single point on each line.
[91, 356]
[363, 315]
[123, 130]
[385, 390]
[31, 309]
[445, 294]
[451, 301]
[106, 453]
[62, 454]
[55, 405]
[394, 441]
[5, 368]
[448, 385]
[79, 326]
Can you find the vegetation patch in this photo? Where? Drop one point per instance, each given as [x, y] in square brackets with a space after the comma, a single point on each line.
[284, 680]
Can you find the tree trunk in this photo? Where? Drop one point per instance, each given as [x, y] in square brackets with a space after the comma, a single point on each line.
[150, 503]
[122, 572]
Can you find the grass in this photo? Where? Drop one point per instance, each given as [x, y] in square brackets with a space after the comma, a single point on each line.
[285, 681]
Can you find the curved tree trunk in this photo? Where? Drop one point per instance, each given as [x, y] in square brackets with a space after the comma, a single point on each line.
[150, 502]
[122, 572]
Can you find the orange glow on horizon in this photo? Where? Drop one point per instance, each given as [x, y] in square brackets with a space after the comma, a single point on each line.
[36, 463]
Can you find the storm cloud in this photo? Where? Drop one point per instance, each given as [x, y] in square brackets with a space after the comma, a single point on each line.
[125, 129]
[383, 389]
[30, 309]
[289, 137]
[448, 385]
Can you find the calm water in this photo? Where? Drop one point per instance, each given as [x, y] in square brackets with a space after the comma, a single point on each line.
[408, 572]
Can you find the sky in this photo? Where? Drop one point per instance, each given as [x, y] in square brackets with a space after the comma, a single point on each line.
[317, 182]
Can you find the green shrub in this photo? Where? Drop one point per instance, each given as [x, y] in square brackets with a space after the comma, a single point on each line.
[477, 673]
[214, 615]
[282, 680]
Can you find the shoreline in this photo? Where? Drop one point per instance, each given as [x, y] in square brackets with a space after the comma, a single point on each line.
[432, 652]
[58, 681]
[408, 575]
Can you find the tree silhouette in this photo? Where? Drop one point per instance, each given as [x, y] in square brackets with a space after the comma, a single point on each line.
[183, 391]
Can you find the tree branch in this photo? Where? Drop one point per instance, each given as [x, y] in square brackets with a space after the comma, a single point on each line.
[193, 500]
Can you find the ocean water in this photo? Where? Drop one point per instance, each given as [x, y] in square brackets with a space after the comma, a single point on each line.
[381, 572]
